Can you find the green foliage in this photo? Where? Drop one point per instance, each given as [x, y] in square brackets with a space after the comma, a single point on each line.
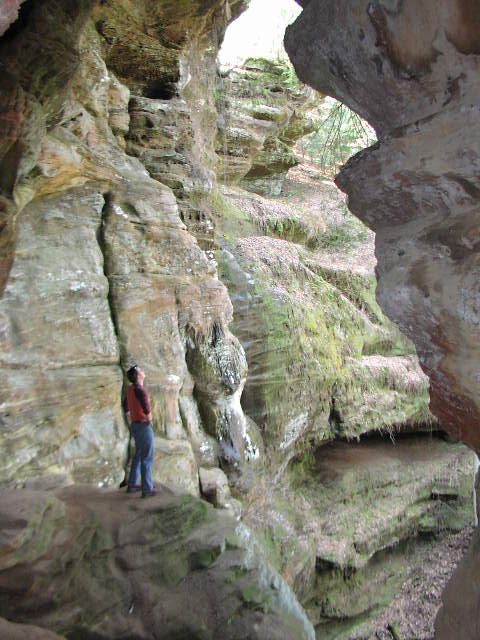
[344, 236]
[289, 77]
[340, 134]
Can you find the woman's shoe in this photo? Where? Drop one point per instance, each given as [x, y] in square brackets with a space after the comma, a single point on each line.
[133, 488]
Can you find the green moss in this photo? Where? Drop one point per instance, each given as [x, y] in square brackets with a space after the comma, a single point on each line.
[179, 519]
[235, 574]
[232, 222]
[277, 544]
[344, 236]
[255, 598]
[293, 229]
[315, 325]
[343, 600]
[289, 375]
[203, 558]
[357, 288]
[170, 527]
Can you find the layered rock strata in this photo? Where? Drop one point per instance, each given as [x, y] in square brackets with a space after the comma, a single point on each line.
[262, 110]
[98, 270]
[348, 523]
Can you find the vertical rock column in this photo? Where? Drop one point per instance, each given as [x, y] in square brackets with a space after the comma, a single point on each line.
[172, 132]
[60, 407]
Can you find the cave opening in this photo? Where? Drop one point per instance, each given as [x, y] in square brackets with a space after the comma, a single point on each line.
[161, 89]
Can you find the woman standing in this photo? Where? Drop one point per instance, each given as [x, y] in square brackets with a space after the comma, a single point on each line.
[137, 407]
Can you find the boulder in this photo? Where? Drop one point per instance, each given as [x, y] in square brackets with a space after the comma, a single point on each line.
[175, 466]
[214, 486]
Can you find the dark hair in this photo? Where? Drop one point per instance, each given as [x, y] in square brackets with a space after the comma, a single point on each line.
[132, 373]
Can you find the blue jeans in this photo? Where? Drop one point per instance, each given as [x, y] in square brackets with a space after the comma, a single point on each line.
[142, 460]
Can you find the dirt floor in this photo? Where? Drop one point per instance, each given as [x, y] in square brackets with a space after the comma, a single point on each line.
[411, 615]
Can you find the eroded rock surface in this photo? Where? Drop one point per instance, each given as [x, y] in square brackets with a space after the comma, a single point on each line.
[418, 188]
[412, 71]
[347, 522]
[323, 360]
[90, 563]
[14, 631]
[108, 123]
[98, 269]
[262, 110]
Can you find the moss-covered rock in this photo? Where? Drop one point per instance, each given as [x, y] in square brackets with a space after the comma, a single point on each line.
[309, 373]
[262, 109]
[113, 565]
[338, 520]
[349, 522]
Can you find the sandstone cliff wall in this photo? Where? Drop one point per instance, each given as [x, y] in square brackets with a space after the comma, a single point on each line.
[106, 106]
[109, 115]
[412, 73]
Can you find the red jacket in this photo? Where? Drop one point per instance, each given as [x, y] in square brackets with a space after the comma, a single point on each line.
[137, 403]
